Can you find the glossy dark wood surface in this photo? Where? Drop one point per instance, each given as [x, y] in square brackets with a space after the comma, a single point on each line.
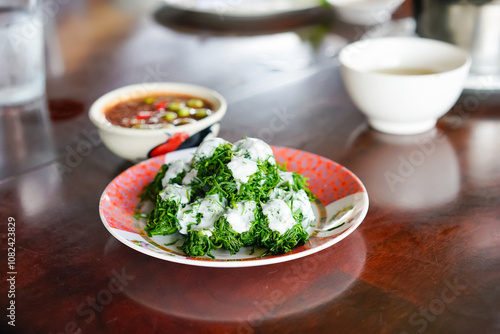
[425, 260]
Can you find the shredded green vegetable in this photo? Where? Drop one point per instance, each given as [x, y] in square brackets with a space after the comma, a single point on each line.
[199, 207]
[162, 220]
[151, 191]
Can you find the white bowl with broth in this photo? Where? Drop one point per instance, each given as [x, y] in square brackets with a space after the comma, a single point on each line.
[404, 84]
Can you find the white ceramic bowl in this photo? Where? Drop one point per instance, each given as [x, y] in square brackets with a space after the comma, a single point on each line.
[365, 12]
[137, 144]
[405, 102]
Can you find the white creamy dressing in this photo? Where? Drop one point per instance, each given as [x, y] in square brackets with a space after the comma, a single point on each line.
[279, 215]
[278, 193]
[207, 148]
[173, 170]
[190, 176]
[255, 149]
[286, 177]
[242, 168]
[301, 202]
[186, 216]
[210, 207]
[176, 192]
[242, 216]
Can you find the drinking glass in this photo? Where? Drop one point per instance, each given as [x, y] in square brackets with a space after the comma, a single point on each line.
[22, 64]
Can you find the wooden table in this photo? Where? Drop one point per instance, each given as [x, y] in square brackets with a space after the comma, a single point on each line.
[426, 259]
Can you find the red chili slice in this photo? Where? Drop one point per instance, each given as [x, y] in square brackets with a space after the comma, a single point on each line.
[144, 114]
[161, 105]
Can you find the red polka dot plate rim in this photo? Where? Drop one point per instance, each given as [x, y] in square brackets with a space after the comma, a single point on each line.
[341, 206]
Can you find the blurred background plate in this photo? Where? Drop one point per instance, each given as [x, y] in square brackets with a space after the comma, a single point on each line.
[244, 8]
[243, 16]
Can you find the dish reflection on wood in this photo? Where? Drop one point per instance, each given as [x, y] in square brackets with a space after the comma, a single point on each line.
[341, 206]
[184, 292]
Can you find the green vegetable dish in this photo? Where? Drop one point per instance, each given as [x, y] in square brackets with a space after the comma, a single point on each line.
[230, 196]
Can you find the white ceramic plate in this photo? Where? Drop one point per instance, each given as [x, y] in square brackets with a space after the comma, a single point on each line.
[341, 205]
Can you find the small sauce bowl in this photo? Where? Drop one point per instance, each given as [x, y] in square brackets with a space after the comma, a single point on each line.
[139, 144]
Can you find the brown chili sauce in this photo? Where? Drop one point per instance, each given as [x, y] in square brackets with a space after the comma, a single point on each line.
[158, 111]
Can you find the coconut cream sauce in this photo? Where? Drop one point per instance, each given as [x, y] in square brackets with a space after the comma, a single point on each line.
[242, 168]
